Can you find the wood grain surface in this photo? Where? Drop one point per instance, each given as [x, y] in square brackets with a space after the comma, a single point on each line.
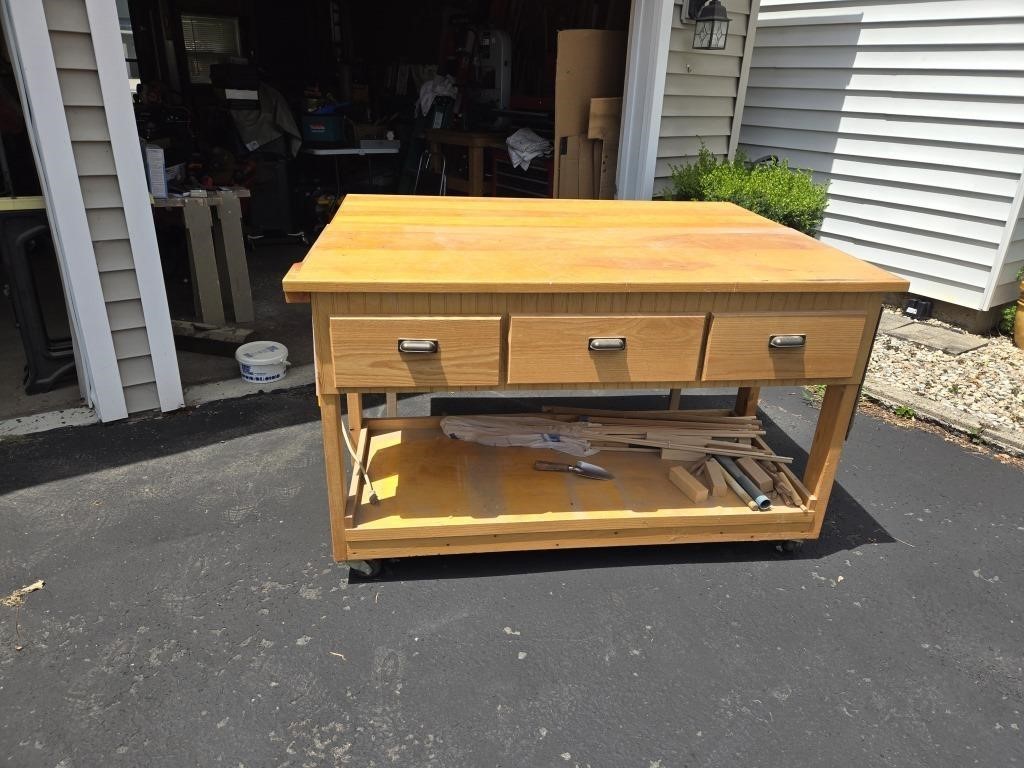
[554, 349]
[401, 243]
[365, 351]
[737, 346]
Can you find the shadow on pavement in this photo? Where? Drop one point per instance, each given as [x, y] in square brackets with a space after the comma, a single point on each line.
[30, 460]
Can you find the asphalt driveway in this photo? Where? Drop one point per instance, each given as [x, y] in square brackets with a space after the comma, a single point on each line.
[192, 616]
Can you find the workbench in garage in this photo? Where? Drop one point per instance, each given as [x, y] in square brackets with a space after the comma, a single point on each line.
[507, 294]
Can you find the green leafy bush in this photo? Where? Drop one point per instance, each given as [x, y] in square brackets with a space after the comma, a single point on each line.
[1009, 314]
[773, 190]
[1009, 317]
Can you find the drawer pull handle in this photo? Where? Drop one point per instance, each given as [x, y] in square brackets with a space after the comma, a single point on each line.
[788, 341]
[614, 344]
[418, 346]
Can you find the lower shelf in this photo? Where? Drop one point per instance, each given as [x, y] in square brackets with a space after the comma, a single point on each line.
[440, 495]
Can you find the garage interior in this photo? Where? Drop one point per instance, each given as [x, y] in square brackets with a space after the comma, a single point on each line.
[257, 117]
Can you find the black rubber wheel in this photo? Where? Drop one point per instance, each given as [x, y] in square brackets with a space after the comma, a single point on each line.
[368, 569]
[791, 546]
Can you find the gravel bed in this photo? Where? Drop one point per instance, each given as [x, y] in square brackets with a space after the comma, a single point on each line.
[986, 384]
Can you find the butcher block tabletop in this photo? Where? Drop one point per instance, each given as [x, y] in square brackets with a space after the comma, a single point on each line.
[399, 243]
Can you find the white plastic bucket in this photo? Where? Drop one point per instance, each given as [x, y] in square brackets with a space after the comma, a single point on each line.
[261, 362]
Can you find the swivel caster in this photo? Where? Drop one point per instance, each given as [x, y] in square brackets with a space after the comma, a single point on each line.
[369, 569]
[790, 547]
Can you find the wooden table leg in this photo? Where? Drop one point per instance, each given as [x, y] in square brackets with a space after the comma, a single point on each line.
[230, 248]
[837, 410]
[673, 399]
[334, 463]
[476, 171]
[355, 414]
[746, 401]
[391, 404]
[202, 261]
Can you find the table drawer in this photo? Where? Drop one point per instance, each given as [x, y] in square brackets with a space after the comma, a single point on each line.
[415, 351]
[592, 349]
[775, 345]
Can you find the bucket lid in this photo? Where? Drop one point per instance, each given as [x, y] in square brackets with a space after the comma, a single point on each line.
[261, 353]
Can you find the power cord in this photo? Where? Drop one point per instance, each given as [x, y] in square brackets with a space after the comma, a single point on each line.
[359, 464]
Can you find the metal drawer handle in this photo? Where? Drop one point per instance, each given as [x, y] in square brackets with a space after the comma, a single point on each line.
[418, 346]
[788, 341]
[613, 344]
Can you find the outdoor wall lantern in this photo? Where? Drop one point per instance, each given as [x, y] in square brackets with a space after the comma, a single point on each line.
[712, 23]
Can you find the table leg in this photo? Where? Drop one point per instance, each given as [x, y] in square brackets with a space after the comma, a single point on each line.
[391, 404]
[673, 399]
[746, 401]
[476, 171]
[202, 260]
[334, 463]
[230, 249]
[837, 410]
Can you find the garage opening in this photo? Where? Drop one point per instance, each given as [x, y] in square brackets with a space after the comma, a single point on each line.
[257, 118]
[271, 113]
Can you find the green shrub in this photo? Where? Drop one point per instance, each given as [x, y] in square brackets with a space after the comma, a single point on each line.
[1008, 318]
[773, 190]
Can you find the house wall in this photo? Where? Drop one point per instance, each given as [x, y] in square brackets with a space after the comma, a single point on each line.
[1005, 284]
[73, 50]
[703, 93]
[915, 113]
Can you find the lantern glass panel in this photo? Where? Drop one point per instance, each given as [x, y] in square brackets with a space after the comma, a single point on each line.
[719, 32]
[710, 34]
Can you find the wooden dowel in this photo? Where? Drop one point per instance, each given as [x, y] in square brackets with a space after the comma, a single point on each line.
[625, 448]
[783, 487]
[712, 415]
[655, 424]
[736, 451]
[793, 479]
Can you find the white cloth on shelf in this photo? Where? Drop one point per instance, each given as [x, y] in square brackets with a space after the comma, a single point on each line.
[442, 85]
[524, 145]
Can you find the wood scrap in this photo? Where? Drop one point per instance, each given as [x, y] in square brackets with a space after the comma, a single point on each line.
[675, 454]
[795, 481]
[17, 597]
[757, 475]
[715, 414]
[783, 487]
[736, 488]
[691, 487]
[716, 477]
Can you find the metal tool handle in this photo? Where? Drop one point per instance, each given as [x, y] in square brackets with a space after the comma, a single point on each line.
[607, 344]
[787, 341]
[418, 346]
[551, 466]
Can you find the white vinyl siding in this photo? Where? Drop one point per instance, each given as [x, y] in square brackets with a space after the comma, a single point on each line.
[75, 57]
[1004, 283]
[701, 89]
[914, 111]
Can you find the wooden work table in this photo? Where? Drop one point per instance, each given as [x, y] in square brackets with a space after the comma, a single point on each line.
[507, 293]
